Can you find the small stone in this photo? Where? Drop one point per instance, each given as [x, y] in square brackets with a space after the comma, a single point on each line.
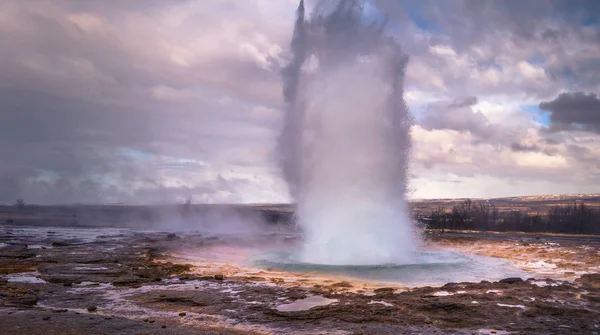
[163, 295]
[46, 318]
[145, 320]
[196, 287]
[163, 326]
[92, 309]
[427, 321]
[511, 280]
[342, 284]
[219, 277]
[151, 321]
[384, 290]
[68, 284]
[107, 318]
[589, 280]
[493, 332]
[182, 314]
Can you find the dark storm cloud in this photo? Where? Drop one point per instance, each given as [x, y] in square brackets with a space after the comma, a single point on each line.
[578, 110]
[58, 149]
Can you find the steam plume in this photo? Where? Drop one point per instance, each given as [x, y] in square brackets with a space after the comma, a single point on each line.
[345, 142]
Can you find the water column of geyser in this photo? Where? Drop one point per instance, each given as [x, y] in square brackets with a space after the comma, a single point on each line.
[345, 142]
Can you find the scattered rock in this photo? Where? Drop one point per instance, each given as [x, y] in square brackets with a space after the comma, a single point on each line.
[171, 236]
[18, 296]
[511, 280]
[163, 326]
[182, 314]
[177, 268]
[10, 268]
[342, 284]
[205, 278]
[589, 280]
[92, 309]
[446, 306]
[60, 244]
[592, 297]
[46, 318]
[219, 277]
[384, 290]
[128, 281]
[278, 281]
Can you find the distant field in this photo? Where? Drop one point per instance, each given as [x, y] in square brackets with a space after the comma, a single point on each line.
[155, 216]
[530, 204]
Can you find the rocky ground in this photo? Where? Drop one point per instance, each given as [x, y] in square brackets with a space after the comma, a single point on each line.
[125, 282]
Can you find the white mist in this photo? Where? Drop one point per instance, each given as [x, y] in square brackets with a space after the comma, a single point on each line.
[345, 143]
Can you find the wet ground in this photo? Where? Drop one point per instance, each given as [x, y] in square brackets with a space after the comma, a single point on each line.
[118, 281]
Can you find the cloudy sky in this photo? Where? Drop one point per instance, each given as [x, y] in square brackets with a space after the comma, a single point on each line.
[151, 101]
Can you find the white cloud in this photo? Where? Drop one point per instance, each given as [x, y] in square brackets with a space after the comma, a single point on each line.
[194, 87]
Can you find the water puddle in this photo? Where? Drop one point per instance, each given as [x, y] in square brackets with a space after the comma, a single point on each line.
[305, 304]
[25, 277]
[492, 331]
[512, 306]
[387, 304]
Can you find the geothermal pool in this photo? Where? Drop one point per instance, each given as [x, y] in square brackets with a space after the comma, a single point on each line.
[427, 268]
[279, 255]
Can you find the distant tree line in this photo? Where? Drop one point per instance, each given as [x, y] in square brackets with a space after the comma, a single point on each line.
[575, 218]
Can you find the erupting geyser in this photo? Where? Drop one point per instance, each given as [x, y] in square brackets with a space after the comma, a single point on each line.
[346, 138]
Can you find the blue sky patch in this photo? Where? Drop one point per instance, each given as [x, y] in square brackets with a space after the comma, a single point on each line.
[537, 59]
[538, 115]
[132, 153]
